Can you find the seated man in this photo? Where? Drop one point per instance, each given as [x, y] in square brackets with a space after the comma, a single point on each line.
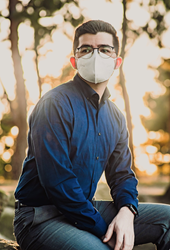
[75, 134]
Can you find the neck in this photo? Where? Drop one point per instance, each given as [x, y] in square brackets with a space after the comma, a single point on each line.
[99, 87]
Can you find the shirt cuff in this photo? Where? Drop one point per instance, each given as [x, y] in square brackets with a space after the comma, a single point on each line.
[100, 228]
[125, 201]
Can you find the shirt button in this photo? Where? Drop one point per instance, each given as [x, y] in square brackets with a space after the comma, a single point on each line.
[99, 134]
[97, 157]
[75, 223]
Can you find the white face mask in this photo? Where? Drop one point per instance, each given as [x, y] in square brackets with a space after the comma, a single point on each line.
[96, 69]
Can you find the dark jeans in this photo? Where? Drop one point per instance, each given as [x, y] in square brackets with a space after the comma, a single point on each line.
[44, 228]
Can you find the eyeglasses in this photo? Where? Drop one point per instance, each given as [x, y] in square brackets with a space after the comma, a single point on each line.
[105, 51]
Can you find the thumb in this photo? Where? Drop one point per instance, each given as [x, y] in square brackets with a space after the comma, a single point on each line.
[109, 233]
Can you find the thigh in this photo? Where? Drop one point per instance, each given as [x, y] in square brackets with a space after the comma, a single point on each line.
[58, 234]
[150, 226]
[43, 228]
[152, 223]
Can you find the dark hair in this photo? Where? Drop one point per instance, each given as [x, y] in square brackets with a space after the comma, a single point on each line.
[93, 27]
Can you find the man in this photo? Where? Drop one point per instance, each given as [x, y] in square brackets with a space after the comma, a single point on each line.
[76, 133]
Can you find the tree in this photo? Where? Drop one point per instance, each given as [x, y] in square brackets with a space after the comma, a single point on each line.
[33, 10]
[122, 81]
[20, 92]
[122, 78]
[159, 106]
[37, 9]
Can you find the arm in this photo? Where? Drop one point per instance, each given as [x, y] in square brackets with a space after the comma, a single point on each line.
[119, 175]
[51, 128]
[122, 182]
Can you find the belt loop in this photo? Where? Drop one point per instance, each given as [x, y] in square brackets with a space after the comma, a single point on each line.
[17, 204]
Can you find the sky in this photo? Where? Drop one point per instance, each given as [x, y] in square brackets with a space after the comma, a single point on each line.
[139, 78]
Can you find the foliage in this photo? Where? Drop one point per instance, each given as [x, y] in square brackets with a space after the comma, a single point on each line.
[159, 106]
[159, 112]
[159, 120]
[3, 200]
[5, 162]
[156, 25]
[37, 9]
[157, 10]
[32, 12]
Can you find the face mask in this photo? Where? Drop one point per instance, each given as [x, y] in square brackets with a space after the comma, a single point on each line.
[95, 69]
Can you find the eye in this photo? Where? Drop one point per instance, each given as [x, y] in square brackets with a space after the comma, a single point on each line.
[104, 50]
[85, 50]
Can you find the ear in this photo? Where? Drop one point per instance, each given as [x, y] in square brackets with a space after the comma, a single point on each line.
[73, 62]
[118, 62]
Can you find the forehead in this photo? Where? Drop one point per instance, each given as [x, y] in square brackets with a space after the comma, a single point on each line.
[96, 39]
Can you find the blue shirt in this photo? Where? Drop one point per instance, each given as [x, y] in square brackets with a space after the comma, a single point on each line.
[72, 139]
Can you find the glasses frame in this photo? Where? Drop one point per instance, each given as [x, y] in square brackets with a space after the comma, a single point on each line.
[97, 50]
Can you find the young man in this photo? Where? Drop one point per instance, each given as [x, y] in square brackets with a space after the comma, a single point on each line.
[76, 133]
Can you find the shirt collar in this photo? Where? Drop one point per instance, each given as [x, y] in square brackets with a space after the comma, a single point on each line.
[90, 93]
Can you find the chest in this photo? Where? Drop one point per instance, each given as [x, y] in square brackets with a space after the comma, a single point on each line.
[95, 131]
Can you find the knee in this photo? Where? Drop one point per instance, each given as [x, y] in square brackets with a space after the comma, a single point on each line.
[164, 215]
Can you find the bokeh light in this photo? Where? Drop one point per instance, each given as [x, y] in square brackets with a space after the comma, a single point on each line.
[8, 168]
[6, 156]
[54, 53]
[9, 141]
[14, 130]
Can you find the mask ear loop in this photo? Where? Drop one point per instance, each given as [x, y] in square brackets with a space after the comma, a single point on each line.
[118, 62]
[73, 62]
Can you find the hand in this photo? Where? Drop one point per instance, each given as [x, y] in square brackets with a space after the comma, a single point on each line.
[120, 233]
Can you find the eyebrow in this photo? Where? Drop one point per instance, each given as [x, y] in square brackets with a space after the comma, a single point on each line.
[99, 45]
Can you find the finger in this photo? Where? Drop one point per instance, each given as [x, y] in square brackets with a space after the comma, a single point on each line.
[109, 233]
[128, 242]
[119, 241]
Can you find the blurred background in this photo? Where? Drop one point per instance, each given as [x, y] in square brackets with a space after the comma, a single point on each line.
[35, 46]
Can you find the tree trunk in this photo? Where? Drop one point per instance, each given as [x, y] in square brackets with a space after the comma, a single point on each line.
[122, 83]
[21, 123]
[38, 73]
[167, 192]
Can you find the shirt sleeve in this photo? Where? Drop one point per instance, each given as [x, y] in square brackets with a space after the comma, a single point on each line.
[51, 128]
[119, 175]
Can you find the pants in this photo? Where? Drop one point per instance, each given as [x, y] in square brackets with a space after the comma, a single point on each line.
[44, 228]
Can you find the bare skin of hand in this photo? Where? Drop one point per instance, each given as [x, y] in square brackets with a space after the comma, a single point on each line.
[120, 232]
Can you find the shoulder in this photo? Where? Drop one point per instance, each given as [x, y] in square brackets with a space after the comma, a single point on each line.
[115, 110]
[60, 95]
[117, 115]
[59, 98]
[62, 92]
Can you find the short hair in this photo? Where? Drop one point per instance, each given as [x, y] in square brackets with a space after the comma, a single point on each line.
[93, 27]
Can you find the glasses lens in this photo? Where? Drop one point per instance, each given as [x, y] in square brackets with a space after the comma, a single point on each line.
[84, 51]
[106, 51]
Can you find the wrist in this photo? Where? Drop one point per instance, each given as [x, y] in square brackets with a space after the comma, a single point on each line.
[127, 211]
[131, 208]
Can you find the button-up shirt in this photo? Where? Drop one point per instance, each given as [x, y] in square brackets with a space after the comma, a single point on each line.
[72, 139]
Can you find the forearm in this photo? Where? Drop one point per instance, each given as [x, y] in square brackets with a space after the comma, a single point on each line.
[126, 193]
